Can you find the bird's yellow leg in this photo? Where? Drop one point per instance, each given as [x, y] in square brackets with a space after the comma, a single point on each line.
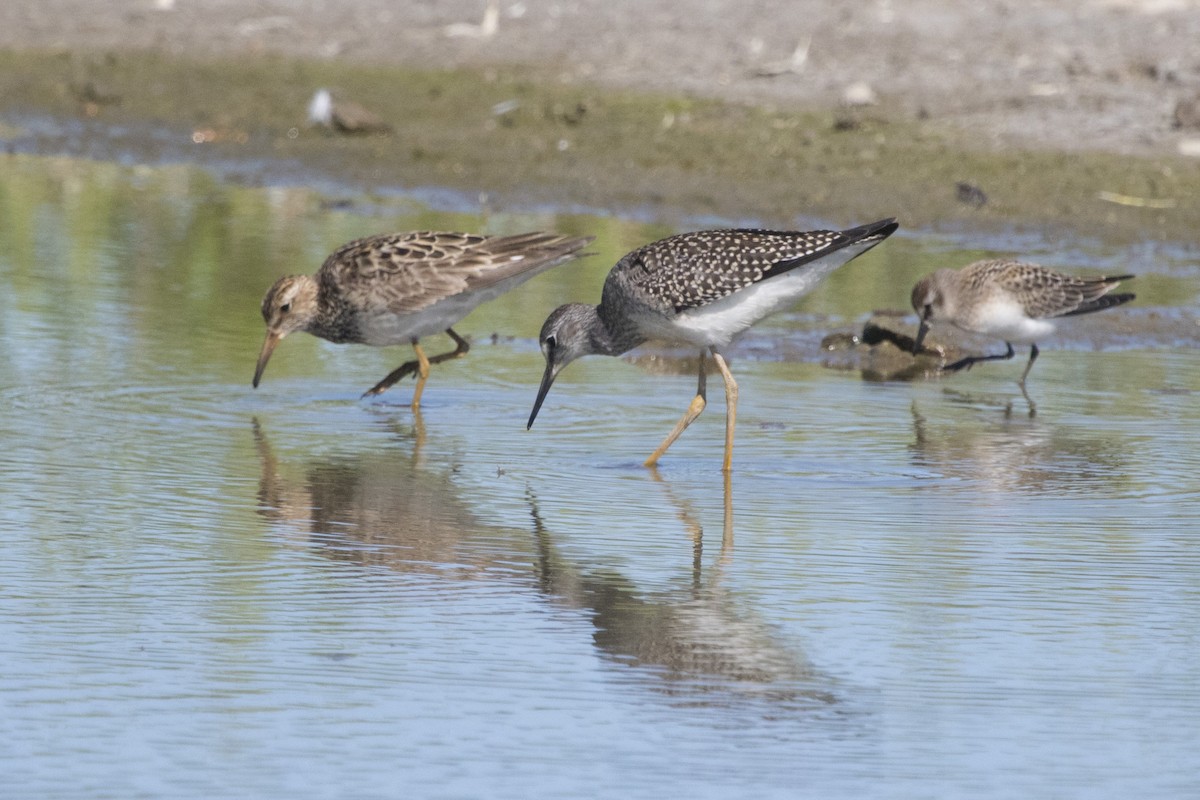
[727, 528]
[462, 346]
[418, 428]
[693, 411]
[731, 397]
[422, 374]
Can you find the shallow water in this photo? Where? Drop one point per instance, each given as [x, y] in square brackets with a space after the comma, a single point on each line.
[905, 590]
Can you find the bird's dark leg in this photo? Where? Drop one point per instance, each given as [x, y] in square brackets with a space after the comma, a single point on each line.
[1033, 354]
[966, 363]
[693, 411]
[463, 346]
[731, 398]
[420, 367]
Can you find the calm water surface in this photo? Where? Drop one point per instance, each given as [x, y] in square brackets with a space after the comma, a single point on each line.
[904, 591]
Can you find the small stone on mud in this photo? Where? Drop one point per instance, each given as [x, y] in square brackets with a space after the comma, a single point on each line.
[1189, 147]
[858, 94]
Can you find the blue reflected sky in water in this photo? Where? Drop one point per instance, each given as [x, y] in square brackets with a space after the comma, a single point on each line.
[208, 590]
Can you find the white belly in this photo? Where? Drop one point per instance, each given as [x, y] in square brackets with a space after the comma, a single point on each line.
[720, 322]
[1007, 321]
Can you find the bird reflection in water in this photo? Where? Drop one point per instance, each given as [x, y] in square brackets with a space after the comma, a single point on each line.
[703, 643]
[377, 509]
[1017, 453]
[697, 643]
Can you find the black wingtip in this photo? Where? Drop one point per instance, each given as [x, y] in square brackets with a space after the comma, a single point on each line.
[1101, 303]
[881, 230]
[1118, 299]
[877, 231]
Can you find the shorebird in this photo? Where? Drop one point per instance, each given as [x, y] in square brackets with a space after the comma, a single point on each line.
[395, 288]
[343, 116]
[702, 289]
[1009, 300]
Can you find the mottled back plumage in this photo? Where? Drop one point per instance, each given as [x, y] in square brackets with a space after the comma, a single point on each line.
[406, 272]
[1043, 292]
[693, 269]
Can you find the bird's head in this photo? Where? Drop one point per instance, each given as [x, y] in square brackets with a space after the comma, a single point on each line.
[289, 306]
[566, 335]
[929, 301]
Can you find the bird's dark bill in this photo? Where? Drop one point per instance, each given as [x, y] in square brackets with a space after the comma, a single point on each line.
[547, 380]
[265, 355]
[921, 331]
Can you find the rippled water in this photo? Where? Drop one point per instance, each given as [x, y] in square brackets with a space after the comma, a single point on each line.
[904, 591]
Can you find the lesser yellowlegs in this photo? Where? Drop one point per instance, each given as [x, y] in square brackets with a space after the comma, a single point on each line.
[1009, 300]
[701, 289]
[395, 288]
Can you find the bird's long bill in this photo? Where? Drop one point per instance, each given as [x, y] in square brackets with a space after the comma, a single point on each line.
[265, 355]
[547, 379]
[921, 331]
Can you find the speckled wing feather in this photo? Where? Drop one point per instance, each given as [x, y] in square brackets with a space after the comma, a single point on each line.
[407, 272]
[1045, 293]
[694, 269]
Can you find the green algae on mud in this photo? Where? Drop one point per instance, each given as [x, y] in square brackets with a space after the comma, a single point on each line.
[528, 136]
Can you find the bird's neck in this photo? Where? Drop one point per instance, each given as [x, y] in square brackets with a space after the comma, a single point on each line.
[614, 334]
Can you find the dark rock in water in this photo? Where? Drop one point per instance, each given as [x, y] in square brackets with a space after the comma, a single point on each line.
[840, 341]
[1187, 113]
[882, 350]
[970, 194]
[91, 92]
[846, 122]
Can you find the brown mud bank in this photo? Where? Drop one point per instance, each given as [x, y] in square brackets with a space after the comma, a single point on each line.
[525, 137]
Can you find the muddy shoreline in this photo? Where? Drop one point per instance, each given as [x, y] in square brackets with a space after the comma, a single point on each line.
[565, 146]
[1072, 75]
[1054, 117]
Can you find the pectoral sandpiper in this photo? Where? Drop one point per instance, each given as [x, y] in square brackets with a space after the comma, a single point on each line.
[395, 288]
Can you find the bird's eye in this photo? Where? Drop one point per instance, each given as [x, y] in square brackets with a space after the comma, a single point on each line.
[285, 308]
[928, 311]
[550, 343]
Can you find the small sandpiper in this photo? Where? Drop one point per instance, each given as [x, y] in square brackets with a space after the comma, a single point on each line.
[395, 288]
[702, 289]
[1010, 300]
